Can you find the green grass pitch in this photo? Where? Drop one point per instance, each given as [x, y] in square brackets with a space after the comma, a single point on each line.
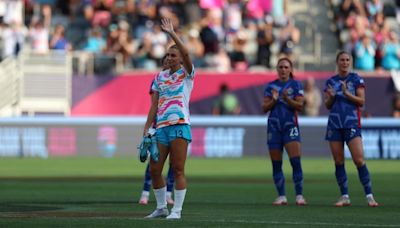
[99, 192]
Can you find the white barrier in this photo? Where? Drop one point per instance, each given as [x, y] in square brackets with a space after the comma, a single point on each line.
[212, 136]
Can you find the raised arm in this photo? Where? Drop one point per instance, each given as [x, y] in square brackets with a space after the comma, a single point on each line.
[167, 27]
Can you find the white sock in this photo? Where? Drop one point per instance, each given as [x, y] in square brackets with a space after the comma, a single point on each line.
[369, 195]
[179, 198]
[169, 194]
[161, 197]
[145, 193]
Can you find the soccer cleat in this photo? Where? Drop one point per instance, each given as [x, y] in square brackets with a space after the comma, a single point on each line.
[174, 215]
[143, 148]
[300, 200]
[371, 201]
[154, 153]
[343, 202]
[281, 200]
[162, 212]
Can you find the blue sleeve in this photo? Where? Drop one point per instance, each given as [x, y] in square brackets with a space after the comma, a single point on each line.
[299, 91]
[267, 91]
[327, 84]
[358, 82]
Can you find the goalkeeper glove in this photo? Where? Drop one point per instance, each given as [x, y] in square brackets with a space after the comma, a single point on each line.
[143, 148]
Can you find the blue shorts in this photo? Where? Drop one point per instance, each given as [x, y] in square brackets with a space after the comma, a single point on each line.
[342, 134]
[277, 138]
[167, 134]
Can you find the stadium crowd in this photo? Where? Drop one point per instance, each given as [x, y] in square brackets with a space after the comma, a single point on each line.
[370, 31]
[238, 33]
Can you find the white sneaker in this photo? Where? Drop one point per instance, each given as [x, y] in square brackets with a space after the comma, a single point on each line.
[174, 215]
[300, 200]
[162, 212]
[371, 201]
[281, 200]
[343, 201]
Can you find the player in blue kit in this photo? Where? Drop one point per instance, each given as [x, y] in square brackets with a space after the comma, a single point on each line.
[144, 198]
[344, 96]
[283, 98]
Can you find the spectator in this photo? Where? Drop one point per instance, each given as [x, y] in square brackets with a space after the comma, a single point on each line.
[13, 39]
[143, 57]
[58, 40]
[279, 13]
[220, 62]
[312, 98]
[95, 43]
[39, 37]
[391, 52]
[120, 41]
[11, 11]
[265, 39]
[237, 56]
[288, 38]
[146, 12]
[358, 27]
[257, 9]
[233, 15]
[373, 7]
[159, 42]
[226, 103]
[365, 50]
[102, 14]
[196, 50]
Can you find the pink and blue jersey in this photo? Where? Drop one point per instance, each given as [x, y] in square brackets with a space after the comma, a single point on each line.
[174, 95]
[344, 113]
[282, 115]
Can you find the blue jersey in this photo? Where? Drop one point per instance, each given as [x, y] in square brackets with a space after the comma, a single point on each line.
[282, 115]
[344, 113]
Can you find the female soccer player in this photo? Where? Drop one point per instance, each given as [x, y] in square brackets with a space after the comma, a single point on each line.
[173, 87]
[283, 98]
[144, 197]
[344, 96]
